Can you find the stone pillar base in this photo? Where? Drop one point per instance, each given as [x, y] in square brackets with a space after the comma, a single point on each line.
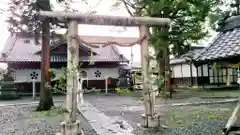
[70, 129]
[150, 121]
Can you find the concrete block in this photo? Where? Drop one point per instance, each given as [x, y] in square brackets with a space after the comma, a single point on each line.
[70, 129]
[150, 121]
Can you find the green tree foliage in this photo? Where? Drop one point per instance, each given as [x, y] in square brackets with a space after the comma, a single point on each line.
[23, 15]
[188, 22]
[222, 13]
[188, 26]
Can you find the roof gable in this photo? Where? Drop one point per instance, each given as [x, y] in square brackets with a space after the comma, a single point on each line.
[226, 44]
[190, 55]
[17, 49]
[62, 49]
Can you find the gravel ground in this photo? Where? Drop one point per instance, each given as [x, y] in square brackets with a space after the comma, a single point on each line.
[20, 120]
[207, 127]
[186, 120]
[194, 120]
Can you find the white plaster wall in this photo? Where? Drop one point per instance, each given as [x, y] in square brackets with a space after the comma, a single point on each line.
[186, 72]
[199, 71]
[177, 71]
[205, 70]
[23, 75]
[194, 71]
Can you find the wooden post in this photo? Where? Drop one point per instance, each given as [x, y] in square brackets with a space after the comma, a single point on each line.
[233, 120]
[149, 118]
[71, 125]
[34, 89]
[81, 92]
[106, 85]
[80, 99]
[72, 64]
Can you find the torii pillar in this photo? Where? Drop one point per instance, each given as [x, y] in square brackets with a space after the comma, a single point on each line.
[150, 119]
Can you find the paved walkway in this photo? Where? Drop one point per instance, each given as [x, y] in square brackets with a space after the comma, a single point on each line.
[103, 124]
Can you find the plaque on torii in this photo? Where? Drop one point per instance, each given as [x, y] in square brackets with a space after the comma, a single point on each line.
[150, 119]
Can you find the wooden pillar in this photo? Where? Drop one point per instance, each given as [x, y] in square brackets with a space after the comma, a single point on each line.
[191, 74]
[149, 118]
[208, 74]
[182, 82]
[80, 91]
[197, 75]
[202, 76]
[71, 125]
[34, 89]
[106, 86]
[72, 65]
[218, 76]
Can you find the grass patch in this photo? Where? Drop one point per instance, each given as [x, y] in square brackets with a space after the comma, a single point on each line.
[186, 116]
[193, 88]
[215, 94]
[163, 95]
[55, 111]
[124, 92]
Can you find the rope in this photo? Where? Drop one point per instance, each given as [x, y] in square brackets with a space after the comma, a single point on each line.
[111, 43]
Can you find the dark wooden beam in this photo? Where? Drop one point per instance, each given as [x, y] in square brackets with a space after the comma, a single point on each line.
[202, 75]
[218, 76]
[197, 75]
[191, 74]
[181, 74]
[208, 73]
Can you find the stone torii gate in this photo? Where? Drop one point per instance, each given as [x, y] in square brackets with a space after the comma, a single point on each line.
[71, 125]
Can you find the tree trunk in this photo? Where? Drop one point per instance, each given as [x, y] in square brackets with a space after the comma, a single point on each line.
[46, 100]
[167, 72]
[161, 68]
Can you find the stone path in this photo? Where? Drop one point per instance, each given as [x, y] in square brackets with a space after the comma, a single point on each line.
[103, 124]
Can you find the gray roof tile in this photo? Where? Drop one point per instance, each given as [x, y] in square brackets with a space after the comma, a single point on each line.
[17, 50]
[226, 44]
[182, 59]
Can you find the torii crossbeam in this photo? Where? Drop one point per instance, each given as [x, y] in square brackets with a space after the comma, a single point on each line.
[150, 119]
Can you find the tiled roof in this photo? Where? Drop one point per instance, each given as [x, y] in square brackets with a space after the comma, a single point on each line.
[226, 44]
[193, 54]
[24, 49]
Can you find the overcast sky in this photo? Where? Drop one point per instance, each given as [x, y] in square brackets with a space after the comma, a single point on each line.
[104, 7]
